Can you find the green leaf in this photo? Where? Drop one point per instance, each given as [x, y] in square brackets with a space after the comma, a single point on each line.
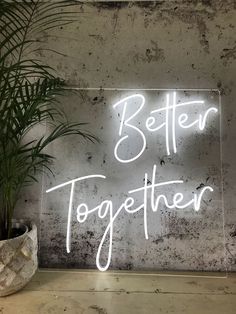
[27, 99]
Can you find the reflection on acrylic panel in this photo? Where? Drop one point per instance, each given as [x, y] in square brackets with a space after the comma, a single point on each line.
[149, 195]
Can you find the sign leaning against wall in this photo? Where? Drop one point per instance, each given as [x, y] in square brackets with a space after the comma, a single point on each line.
[149, 196]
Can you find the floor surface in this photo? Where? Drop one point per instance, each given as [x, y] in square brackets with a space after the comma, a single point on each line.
[92, 292]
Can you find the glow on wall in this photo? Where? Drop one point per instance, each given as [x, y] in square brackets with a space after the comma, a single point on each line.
[150, 165]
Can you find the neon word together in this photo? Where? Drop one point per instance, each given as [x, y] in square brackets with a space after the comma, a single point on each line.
[106, 209]
[173, 119]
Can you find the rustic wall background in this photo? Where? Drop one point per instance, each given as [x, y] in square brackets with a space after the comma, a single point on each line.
[160, 44]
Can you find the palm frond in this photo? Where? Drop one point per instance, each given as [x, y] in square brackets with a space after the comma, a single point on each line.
[27, 98]
[21, 22]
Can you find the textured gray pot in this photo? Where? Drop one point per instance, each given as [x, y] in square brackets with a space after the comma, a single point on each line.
[18, 261]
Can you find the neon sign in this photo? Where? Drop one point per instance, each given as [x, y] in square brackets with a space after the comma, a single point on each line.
[169, 109]
[149, 192]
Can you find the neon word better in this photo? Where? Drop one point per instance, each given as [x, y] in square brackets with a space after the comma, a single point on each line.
[106, 209]
[172, 119]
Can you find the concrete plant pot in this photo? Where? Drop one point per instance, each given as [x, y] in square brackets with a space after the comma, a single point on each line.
[18, 260]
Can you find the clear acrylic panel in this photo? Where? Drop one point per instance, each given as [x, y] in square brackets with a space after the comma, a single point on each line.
[148, 196]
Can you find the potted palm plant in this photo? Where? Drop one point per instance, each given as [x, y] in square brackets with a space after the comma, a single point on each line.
[27, 99]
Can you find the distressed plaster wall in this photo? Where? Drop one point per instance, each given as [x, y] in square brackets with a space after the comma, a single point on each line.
[162, 44]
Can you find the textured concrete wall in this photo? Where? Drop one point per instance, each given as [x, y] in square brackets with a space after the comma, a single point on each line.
[163, 44]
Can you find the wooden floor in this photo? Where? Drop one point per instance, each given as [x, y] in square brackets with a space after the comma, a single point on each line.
[92, 292]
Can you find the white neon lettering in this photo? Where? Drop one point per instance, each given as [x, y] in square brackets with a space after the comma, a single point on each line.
[82, 216]
[145, 207]
[109, 228]
[173, 124]
[125, 122]
[72, 182]
[197, 203]
[167, 124]
[68, 234]
[150, 122]
[202, 121]
[151, 192]
[183, 118]
[105, 209]
[129, 202]
[171, 116]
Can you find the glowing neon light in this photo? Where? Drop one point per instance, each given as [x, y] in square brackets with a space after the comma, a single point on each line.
[72, 182]
[170, 111]
[173, 123]
[126, 123]
[202, 120]
[167, 124]
[106, 209]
